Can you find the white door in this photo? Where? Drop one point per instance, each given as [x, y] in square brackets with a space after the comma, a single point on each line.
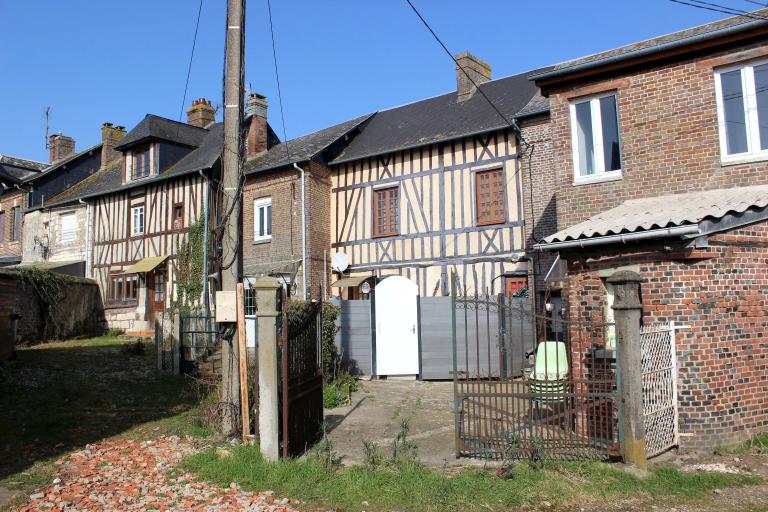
[397, 327]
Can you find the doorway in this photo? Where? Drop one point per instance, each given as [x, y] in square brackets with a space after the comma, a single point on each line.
[156, 289]
[397, 327]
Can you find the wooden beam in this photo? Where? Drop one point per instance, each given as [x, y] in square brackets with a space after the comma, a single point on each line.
[243, 362]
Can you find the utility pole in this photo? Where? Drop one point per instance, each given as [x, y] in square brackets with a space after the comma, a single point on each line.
[230, 242]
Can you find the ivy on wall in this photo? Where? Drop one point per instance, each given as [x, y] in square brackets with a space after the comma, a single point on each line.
[190, 272]
[50, 288]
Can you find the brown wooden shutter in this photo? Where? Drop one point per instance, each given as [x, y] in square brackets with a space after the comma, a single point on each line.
[489, 197]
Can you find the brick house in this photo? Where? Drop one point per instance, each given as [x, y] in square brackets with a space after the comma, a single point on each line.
[273, 222]
[659, 161]
[15, 175]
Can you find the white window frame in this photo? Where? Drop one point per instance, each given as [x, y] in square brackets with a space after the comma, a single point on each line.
[754, 153]
[597, 139]
[62, 237]
[137, 229]
[257, 205]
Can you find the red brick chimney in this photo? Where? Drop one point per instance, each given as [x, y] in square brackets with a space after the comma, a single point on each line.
[257, 131]
[110, 137]
[201, 113]
[61, 147]
[478, 70]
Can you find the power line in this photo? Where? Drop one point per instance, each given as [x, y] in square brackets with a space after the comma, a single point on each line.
[761, 4]
[277, 77]
[191, 56]
[709, 6]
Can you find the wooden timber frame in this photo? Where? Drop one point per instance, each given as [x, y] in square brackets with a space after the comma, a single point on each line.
[438, 231]
[114, 246]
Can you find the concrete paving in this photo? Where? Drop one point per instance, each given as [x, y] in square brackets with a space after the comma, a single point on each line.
[377, 410]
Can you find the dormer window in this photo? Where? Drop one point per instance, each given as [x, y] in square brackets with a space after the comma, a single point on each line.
[140, 163]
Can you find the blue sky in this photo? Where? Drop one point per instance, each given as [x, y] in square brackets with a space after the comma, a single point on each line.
[97, 61]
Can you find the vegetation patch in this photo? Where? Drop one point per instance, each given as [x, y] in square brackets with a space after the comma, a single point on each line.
[407, 486]
[50, 288]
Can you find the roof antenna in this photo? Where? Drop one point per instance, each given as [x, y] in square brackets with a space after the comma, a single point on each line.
[47, 115]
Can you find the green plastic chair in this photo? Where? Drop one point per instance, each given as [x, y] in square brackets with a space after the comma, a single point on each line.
[548, 377]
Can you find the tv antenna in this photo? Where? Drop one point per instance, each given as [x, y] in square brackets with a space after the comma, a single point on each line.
[47, 116]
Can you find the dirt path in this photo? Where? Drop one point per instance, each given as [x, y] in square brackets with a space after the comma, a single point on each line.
[132, 475]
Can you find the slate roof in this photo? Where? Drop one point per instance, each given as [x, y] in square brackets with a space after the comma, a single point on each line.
[666, 211]
[661, 43]
[301, 148]
[441, 118]
[110, 179]
[58, 165]
[156, 127]
[16, 170]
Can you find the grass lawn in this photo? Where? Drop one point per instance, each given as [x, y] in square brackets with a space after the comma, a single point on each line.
[60, 396]
[411, 487]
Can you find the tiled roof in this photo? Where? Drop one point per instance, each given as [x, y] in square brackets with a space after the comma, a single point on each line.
[709, 30]
[301, 148]
[110, 179]
[16, 170]
[65, 161]
[156, 127]
[442, 118]
[660, 212]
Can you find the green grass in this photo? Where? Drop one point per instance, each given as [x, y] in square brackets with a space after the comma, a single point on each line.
[408, 486]
[57, 397]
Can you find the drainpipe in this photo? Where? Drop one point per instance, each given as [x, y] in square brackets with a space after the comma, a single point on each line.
[205, 240]
[303, 234]
[88, 236]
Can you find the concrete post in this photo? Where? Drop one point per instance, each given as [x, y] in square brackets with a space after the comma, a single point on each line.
[628, 311]
[267, 314]
[176, 344]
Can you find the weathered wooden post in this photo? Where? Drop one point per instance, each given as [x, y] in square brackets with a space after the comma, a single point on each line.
[628, 310]
[269, 378]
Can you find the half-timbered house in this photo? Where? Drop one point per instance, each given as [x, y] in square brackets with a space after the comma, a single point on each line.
[434, 187]
[141, 209]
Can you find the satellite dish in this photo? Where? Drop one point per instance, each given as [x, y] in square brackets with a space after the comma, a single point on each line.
[339, 262]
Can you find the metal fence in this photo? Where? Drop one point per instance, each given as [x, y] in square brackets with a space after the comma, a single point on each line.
[554, 399]
[199, 334]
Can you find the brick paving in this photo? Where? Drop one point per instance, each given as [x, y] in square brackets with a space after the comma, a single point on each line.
[131, 475]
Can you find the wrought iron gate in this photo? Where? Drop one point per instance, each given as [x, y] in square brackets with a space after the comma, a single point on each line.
[301, 379]
[659, 374]
[554, 400]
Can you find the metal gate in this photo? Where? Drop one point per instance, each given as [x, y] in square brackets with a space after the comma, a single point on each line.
[659, 374]
[301, 379]
[198, 333]
[554, 400]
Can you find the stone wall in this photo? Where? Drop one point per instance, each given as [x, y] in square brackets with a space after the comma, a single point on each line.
[81, 312]
[45, 224]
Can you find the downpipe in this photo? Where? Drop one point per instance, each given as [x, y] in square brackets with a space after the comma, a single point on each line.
[303, 233]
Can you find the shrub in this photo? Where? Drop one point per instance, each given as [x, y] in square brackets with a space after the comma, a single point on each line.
[296, 312]
[338, 391]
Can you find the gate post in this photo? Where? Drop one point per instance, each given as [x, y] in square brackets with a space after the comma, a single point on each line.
[628, 311]
[269, 378]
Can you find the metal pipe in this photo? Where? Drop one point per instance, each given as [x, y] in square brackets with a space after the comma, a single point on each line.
[303, 233]
[205, 239]
[628, 237]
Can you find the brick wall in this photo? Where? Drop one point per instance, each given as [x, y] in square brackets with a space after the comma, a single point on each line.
[669, 136]
[721, 293]
[10, 199]
[539, 195]
[284, 248]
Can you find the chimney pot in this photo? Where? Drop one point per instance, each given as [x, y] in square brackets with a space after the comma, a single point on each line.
[61, 147]
[201, 113]
[110, 137]
[257, 106]
[478, 70]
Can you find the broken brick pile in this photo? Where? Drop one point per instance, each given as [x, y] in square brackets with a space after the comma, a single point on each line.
[132, 475]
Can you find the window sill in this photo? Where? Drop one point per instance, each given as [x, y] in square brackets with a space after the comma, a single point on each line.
[598, 178]
[490, 224]
[260, 241]
[387, 235]
[122, 305]
[747, 159]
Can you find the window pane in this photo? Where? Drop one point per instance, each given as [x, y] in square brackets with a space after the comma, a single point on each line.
[585, 140]
[261, 221]
[611, 150]
[761, 90]
[269, 219]
[733, 108]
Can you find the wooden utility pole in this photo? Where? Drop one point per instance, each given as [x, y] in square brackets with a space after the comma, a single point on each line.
[231, 205]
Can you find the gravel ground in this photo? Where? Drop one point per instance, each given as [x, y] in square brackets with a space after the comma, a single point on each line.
[130, 475]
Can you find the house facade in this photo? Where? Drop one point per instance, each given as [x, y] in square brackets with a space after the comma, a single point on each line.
[140, 209]
[15, 175]
[434, 188]
[659, 167]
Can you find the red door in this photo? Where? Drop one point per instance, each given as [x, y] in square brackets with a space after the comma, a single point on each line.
[156, 286]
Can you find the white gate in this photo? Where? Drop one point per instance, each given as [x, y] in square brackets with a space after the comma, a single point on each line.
[659, 370]
[397, 327]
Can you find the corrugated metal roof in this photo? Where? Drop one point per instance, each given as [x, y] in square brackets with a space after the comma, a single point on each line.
[665, 211]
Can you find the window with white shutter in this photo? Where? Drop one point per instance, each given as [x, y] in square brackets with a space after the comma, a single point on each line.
[67, 227]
